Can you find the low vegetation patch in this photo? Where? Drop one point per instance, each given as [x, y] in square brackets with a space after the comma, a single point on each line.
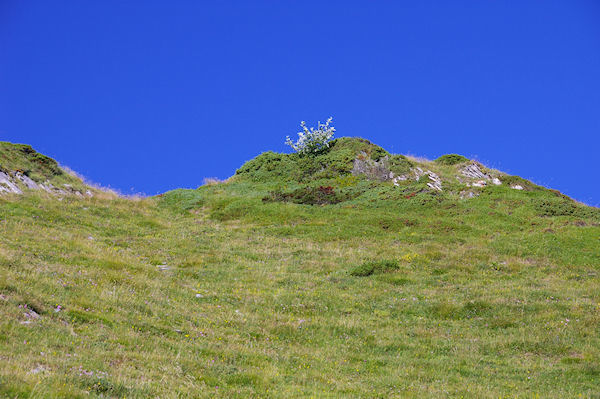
[512, 181]
[565, 207]
[23, 158]
[451, 159]
[320, 195]
[399, 164]
[374, 267]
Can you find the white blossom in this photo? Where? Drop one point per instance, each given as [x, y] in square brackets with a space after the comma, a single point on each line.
[312, 141]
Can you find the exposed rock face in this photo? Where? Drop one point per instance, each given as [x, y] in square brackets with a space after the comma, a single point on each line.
[436, 182]
[474, 172]
[7, 185]
[471, 175]
[374, 170]
[26, 180]
[17, 182]
[379, 170]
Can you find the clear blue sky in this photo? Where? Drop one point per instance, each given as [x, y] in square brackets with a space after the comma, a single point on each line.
[147, 96]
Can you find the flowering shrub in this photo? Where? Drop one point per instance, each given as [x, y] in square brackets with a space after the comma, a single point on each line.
[312, 141]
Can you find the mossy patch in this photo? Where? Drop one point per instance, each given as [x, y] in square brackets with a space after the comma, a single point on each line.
[374, 267]
[565, 207]
[321, 195]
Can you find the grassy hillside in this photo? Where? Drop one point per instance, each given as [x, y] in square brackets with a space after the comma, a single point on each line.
[24, 169]
[297, 278]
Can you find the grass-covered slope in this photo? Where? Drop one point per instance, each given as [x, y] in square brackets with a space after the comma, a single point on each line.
[23, 167]
[247, 289]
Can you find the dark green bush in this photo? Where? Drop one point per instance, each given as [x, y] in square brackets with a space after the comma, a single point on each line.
[321, 195]
[565, 207]
[555, 208]
[451, 159]
[374, 267]
[266, 166]
[46, 163]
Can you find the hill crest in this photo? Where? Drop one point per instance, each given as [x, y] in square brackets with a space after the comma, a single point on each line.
[23, 169]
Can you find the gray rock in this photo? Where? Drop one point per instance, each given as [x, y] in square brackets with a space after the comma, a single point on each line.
[468, 194]
[474, 172]
[374, 170]
[418, 172]
[435, 181]
[7, 185]
[396, 180]
[26, 180]
[47, 186]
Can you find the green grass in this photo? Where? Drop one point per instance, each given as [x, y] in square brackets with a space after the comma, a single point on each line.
[489, 297]
[40, 168]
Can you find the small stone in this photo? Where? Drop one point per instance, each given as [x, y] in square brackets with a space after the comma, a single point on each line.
[517, 187]
[31, 314]
[38, 369]
[467, 194]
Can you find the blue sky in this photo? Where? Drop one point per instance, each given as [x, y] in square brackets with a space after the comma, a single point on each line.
[154, 95]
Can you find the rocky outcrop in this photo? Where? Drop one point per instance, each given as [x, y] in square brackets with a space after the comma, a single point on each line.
[7, 185]
[471, 175]
[436, 182]
[17, 183]
[379, 170]
[374, 170]
[473, 171]
[26, 181]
